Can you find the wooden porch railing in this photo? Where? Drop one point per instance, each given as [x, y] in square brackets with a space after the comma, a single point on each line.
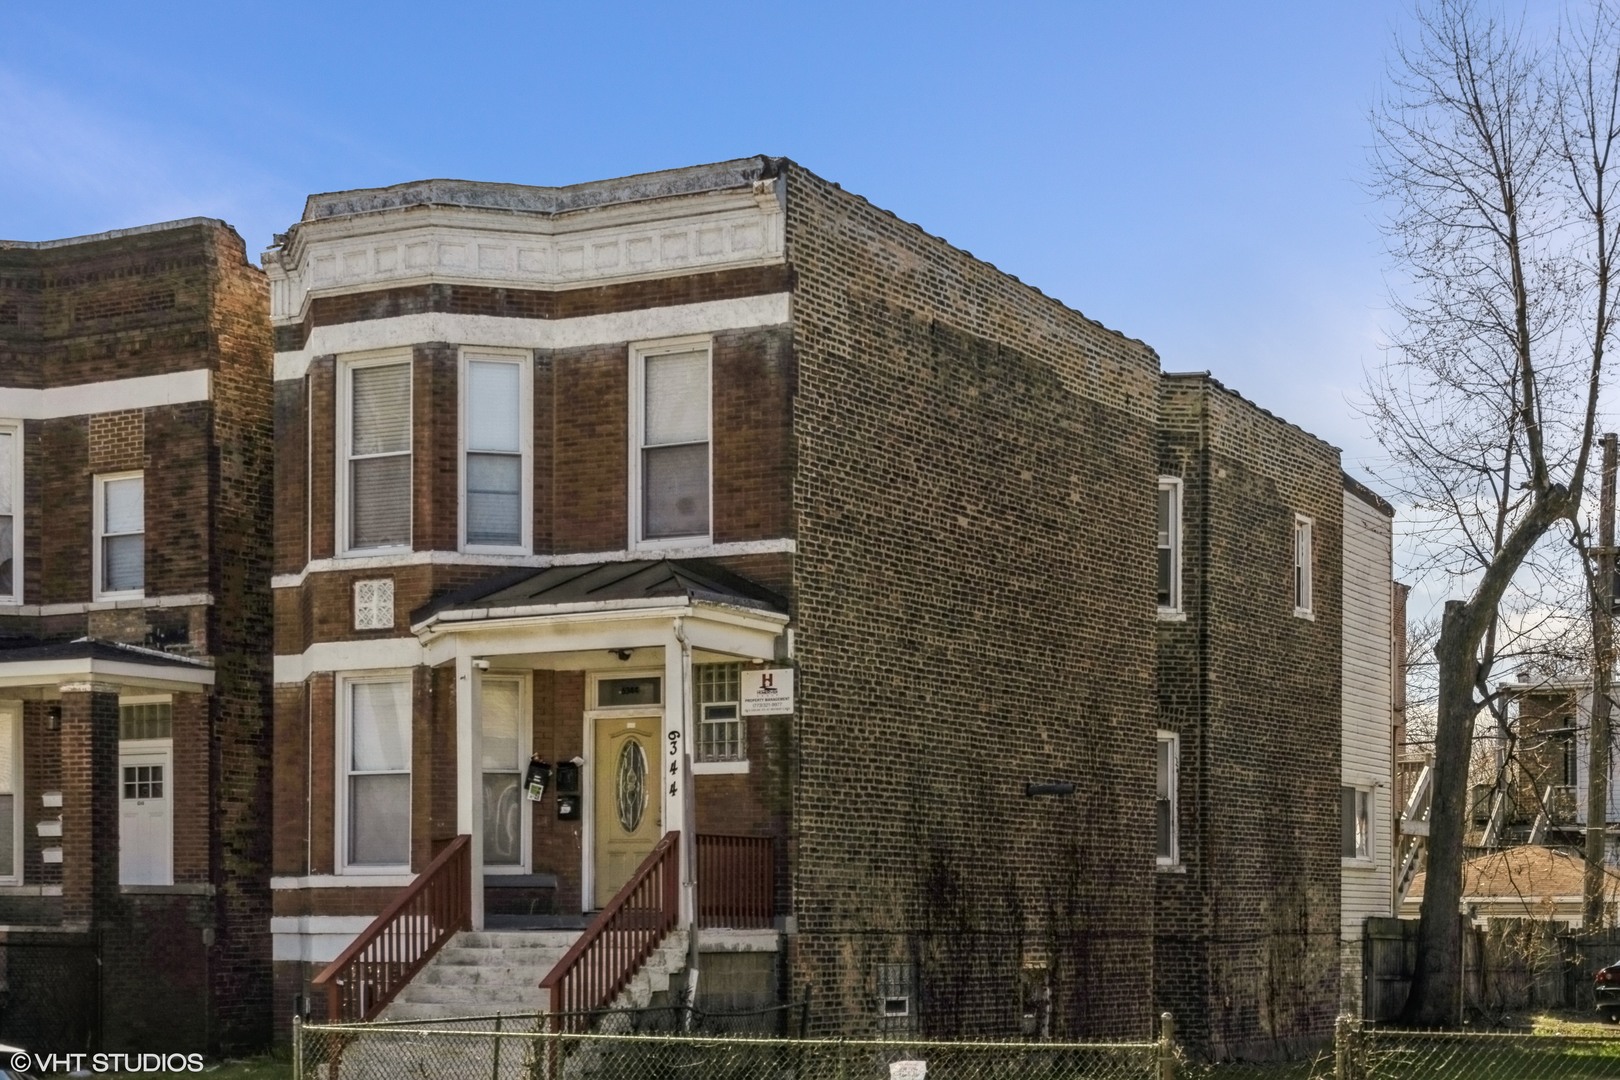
[397, 944]
[736, 882]
[619, 940]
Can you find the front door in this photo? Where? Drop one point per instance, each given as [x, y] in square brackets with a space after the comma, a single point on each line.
[626, 808]
[146, 813]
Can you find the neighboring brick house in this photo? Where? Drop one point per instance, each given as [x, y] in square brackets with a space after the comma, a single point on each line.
[1275, 716]
[545, 455]
[135, 474]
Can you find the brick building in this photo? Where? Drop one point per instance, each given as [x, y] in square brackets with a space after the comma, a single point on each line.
[559, 469]
[135, 475]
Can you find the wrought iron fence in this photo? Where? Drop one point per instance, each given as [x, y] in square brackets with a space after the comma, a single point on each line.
[518, 1048]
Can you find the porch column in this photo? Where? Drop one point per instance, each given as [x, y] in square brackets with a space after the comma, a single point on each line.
[679, 810]
[89, 747]
[469, 776]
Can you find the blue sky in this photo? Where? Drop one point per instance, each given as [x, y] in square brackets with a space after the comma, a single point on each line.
[1186, 173]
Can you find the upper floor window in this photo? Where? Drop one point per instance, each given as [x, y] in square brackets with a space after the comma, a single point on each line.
[495, 463]
[1302, 566]
[1355, 806]
[10, 513]
[374, 485]
[669, 496]
[1169, 544]
[120, 544]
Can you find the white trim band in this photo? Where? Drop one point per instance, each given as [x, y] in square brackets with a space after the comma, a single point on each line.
[181, 600]
[328, 656]
[780, 546]
[115, 395]
[712, 316]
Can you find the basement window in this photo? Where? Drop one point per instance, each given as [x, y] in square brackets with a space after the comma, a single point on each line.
[897, 990]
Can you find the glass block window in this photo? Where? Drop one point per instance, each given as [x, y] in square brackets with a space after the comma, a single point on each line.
[720, 730]
[148, 720]
[374, 604]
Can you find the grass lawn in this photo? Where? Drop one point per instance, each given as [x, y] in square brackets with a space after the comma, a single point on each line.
[259, 1068]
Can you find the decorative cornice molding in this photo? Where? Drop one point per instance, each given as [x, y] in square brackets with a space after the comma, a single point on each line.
[713, 230]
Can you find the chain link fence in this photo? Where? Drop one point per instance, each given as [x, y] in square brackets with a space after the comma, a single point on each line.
[50, 993]
[518, 1048]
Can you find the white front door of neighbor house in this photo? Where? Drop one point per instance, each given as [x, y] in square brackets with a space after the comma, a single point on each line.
[146, 812]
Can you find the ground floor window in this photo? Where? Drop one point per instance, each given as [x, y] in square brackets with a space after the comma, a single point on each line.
[720, 729]
[10, 789]
[375, 775]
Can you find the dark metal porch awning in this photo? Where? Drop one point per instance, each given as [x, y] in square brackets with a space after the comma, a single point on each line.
[696, 580]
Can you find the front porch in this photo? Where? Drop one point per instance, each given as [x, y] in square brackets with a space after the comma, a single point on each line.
[585, 746]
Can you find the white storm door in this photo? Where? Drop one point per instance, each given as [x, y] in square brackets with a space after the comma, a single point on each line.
[146, 813]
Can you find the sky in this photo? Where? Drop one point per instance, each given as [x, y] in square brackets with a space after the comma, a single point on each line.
[1189, 174]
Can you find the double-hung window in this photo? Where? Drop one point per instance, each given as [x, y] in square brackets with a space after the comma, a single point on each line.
[11, 825]
[374, 773]
[495, 463]
[11, 489]
[669, 500]
[1302, 566]
[375, 458]
[1355, 805]
[120, 542]
[1167, 846]
[1169, 545]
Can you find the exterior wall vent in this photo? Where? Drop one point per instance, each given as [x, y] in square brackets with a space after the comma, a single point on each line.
[374, 604]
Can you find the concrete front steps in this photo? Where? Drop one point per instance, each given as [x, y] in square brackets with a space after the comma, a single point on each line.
[482, 972]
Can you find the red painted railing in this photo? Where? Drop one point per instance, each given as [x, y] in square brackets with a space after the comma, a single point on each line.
[736, 882]
[403, 938]
[619, 940]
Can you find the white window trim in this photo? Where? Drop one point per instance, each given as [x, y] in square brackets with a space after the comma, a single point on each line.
[524, 361]
[18, 503]
[525, 741]
[340, 808]
[346, 367]
[98, 494]
[1306, 528]
[1172, 610]
[1173, 860]
[1371, 858]
[639, 352]
[13, 875]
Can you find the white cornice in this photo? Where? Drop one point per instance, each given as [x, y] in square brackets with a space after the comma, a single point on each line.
[415, 245]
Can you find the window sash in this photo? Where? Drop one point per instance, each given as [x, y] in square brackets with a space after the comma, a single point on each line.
[673, 445]
[378, 455]
[1169, 545]
[10, 470]
[1302, 565]
[122, 539]
[720, 724]
[377, 773]
[1355, 806]
[1166, 833]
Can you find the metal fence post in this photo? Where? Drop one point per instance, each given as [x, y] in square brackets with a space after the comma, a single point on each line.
[1167, 1047]
[495, 1071]
[298, 1047]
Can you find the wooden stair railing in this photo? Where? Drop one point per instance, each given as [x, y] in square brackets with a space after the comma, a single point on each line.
[736, 882]
[619, 940]
[400, 941]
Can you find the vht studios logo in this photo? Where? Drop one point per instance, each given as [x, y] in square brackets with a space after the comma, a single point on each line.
[43, 1064]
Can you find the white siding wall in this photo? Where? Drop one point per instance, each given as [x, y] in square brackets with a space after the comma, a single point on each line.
[1367, 752]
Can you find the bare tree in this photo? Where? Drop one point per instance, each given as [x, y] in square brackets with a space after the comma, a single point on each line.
[1492, 152]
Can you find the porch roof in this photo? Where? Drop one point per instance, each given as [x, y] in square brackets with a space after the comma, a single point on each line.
[606, 584]
[93, 659]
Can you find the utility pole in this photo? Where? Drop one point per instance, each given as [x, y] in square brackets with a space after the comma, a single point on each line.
[1597, 762]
